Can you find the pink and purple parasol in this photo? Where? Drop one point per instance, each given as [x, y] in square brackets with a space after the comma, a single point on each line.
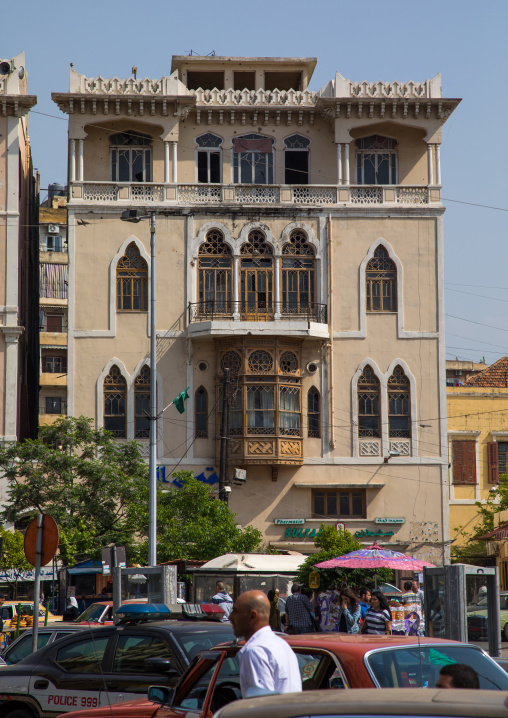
[375, 557]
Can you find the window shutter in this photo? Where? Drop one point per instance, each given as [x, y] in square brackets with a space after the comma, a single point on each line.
[464, 462]
[492, 452]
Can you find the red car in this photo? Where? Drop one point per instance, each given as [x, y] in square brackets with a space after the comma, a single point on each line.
[327, 660]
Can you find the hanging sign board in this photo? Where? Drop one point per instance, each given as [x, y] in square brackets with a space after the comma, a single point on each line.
[314, 579]
[291, 522]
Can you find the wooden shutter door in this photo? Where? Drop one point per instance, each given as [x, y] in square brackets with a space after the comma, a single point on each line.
[464, 462]
[492, 453]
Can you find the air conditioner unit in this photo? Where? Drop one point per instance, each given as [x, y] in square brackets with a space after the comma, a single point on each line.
[53, 228]
[458, 372]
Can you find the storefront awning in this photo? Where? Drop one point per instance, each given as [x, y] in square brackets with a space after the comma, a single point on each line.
[83, 571]
[500, 533]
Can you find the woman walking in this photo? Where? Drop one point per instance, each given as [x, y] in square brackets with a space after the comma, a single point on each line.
[349, 612]
[378, 619]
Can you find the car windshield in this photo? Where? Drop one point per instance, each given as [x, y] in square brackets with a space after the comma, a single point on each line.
[194, 642]
[23, 647]
[92, 613]
[419, 666]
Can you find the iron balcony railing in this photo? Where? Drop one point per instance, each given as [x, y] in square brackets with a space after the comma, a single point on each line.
[257, 311]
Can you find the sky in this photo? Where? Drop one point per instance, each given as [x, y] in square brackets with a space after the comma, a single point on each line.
[367, 40]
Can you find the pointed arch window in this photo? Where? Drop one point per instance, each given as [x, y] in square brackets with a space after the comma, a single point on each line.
[131, 157]
[368, 390]
[201, 413]
[256, 277]
[297, 274]
[381, 282]
[215, 266]
[376, 160]
[132, 281]
[209, 158]
[313, 413]
[142, 403]
[296, 159]
[253, 159]
[115, 399]
[399, 404]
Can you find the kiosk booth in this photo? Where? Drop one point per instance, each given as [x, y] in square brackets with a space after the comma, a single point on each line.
[462, 603]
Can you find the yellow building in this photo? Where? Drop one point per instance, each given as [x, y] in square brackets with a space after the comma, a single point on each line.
[478, 443]
[300, 246]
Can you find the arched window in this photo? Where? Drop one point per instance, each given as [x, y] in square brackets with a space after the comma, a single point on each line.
[256, 277]
[142, 403]
[132, 281]
[368, 390]
[209, 163]
[201, 413]
[115, 395]
[215, 274]
[253, 159]
[399, 404]
[381, 282]
[313, 414]
[297, 274]
[131, 157]
[296, 159]
[376, 160]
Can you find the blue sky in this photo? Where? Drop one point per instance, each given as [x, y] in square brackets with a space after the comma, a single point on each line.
[394, 40]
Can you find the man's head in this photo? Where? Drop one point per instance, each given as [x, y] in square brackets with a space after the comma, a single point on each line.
[415, 586]
[408, 585]
[251, 611]
[458, 675]
[296, 588]
[365, 595]
[219, 586]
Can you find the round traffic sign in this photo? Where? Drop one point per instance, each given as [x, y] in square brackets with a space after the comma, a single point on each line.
[49, 540]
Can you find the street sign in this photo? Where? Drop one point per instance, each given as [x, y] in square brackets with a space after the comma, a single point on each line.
[49, 540]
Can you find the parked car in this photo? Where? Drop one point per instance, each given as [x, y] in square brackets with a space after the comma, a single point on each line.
[101, 612]
[9, 610]
[327, 660]
[104, 665]
[477, 617]
[21, 647]
[358, 702]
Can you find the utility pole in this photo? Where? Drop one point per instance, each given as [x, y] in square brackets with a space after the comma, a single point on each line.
[224, 487]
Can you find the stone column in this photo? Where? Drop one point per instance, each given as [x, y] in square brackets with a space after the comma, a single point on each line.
[277, 306]
[339, 163]
[72, 160]
[174, 158]
[430, 164]
[438, 164]
[236, 280]
[80, 161]
[346, 162]
[166, 162]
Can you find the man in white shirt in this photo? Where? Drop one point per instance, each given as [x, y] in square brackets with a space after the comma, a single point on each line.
[267, 662]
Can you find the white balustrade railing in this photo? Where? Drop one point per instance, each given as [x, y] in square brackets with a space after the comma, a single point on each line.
[316, 195]
[242, 98]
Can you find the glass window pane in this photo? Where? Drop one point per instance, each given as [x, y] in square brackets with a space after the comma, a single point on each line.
[123, 166]
[132, 652]
[83, 656]
[260, 168]
[319, 503]
[202, 166]
[137, 166]
[344, 503]
[23, 648]
[214, 167]
[357, 501]
[246, 168]
[331, 503]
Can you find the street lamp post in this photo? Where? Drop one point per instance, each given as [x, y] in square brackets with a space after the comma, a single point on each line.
[134, 215]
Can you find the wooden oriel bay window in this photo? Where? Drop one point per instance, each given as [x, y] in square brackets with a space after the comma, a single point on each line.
[338, 503]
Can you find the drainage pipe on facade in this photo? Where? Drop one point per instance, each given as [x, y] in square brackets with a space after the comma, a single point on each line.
[331, 410]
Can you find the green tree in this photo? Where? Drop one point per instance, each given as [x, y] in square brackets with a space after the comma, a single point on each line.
[80, 476]
[192, 523]
[335, 543]
[12, 558]
[474, 550]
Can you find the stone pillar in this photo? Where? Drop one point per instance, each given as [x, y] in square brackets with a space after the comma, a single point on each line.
[72, 160]
[430, 164]
[339, 163]
[81, 173]
[346, 162]
[236, 279]
[166, 162]
[277, 306]
[174, 158]
[438, 164]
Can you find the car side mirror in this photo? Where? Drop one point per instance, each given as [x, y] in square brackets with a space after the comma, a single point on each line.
[161, 695]
[161, 665]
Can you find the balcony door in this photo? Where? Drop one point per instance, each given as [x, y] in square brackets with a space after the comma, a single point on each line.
[256, 278]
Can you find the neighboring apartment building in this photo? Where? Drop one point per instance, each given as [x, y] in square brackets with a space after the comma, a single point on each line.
[300, 245]
[18, 258]
[53, 292]
[478, 444]
[458, 371]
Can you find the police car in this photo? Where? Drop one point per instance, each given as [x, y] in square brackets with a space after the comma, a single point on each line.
[108, 664]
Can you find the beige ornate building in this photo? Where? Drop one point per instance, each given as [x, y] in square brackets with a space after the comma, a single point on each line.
[300, 245]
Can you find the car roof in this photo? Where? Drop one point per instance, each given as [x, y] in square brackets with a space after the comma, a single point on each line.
[361, 701]
[363, 642]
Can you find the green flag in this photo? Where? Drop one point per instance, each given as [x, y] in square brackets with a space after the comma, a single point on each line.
[179, 402]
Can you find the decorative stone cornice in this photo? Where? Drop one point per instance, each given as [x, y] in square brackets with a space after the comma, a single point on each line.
[16, 105]
[11, 333]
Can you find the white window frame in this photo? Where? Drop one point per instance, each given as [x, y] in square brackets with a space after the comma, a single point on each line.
[238, 181]
[209, 150]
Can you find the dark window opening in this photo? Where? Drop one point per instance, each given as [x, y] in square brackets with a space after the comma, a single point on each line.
[296, 170]
[283, 80]
[53, 405]
[205, 80]
[244, 81]
[338, 504]
[201, 410]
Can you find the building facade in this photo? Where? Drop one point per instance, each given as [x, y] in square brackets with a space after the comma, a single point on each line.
[53, 293]
[477, 445]
[458, 371]
[299, 245]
